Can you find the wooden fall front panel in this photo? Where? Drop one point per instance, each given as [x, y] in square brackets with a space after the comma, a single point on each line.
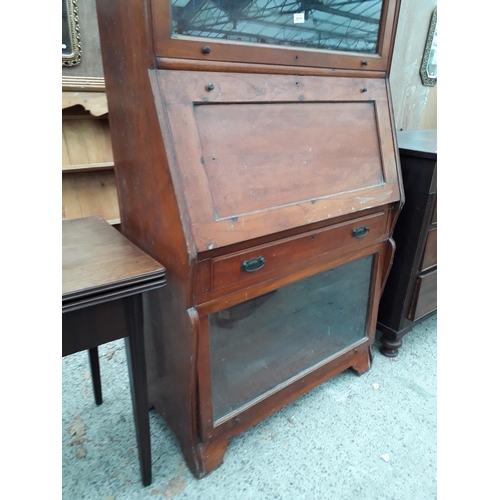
[271, 152]
[270, 198]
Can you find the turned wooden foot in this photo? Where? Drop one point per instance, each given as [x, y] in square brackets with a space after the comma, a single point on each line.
[390, 346]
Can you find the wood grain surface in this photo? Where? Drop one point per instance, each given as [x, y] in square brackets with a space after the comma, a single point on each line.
[96, 257]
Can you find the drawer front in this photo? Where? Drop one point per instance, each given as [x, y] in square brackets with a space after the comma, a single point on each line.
[429, 258]
[424, 296]
[260, 262]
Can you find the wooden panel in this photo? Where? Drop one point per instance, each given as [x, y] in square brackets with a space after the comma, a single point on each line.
[270, 155]
[429, 258]
[86, 142]
[173, 63]
[94, 102]
[90, 193]
[255, 114]
[88, 167]
[425, 296]
[227, 270]
[81, 330]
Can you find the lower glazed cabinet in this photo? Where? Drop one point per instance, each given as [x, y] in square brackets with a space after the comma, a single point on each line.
[271, 322]
[254, 354]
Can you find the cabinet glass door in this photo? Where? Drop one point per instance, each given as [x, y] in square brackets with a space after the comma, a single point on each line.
[263, 342]
[345, 25]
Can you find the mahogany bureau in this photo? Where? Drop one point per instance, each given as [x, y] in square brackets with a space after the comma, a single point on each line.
[255, 158]
[411, 291]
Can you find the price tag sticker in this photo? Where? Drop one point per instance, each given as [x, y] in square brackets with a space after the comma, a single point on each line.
[299, 17]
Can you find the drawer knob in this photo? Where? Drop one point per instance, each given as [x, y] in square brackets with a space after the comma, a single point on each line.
[252, 265]
[359, 232]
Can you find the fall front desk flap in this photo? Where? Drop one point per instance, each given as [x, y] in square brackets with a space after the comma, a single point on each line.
[255, 154]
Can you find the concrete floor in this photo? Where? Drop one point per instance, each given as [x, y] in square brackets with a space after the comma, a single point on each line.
[365, 437]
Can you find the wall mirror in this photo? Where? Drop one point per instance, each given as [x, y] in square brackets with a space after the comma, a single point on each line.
[71, 42]
[428, 69]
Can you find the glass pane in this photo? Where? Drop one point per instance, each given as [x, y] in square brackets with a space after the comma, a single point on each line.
[346, 25]
[265, 341]
[66, 30]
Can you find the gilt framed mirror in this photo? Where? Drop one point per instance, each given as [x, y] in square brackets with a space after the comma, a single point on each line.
[71, 42]
[428, 68]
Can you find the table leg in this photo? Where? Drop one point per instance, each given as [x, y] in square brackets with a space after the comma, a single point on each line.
[96, 374]
[136, 359]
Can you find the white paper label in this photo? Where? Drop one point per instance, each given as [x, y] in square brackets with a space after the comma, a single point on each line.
[299, 17]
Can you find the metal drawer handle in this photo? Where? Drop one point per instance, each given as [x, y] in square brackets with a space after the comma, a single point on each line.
[253, 265]
[360, 231]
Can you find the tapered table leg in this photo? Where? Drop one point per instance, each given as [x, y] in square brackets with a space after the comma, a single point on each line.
[136, 358]
[96, 374]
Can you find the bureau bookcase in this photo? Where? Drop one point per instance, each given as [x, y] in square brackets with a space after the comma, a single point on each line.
[255, 158]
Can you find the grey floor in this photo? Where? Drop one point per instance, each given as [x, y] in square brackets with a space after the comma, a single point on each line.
[365, 437]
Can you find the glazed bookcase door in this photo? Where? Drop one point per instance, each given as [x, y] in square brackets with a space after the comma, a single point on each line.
[328, 24]
[309, 33]
[263, 344]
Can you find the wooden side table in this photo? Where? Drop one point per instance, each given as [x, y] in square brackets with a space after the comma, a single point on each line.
[103, 277]
[410, 294]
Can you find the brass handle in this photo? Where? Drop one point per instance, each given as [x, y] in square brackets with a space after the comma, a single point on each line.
[359, 232]
[252, 265]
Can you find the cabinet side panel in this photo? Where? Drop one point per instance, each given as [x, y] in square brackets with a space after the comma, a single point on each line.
[151, 214]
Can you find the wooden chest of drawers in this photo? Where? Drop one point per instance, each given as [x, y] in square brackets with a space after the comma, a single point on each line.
[411, 291]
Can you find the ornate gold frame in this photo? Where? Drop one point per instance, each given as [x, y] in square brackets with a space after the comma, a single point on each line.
[75, 55]
[426, 80]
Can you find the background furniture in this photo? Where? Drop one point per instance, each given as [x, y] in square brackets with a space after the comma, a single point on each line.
[103, 278]
[88, 178]
[255, 159]
[411, 291]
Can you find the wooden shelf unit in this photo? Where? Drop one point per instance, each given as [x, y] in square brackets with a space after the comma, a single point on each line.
[88, 177]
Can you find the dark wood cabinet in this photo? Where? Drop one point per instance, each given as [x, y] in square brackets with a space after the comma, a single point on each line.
[411, 291]
[264, 176]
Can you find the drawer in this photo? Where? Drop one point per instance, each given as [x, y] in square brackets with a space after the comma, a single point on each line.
[424, 296]
[429, 258]
[262, 262]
